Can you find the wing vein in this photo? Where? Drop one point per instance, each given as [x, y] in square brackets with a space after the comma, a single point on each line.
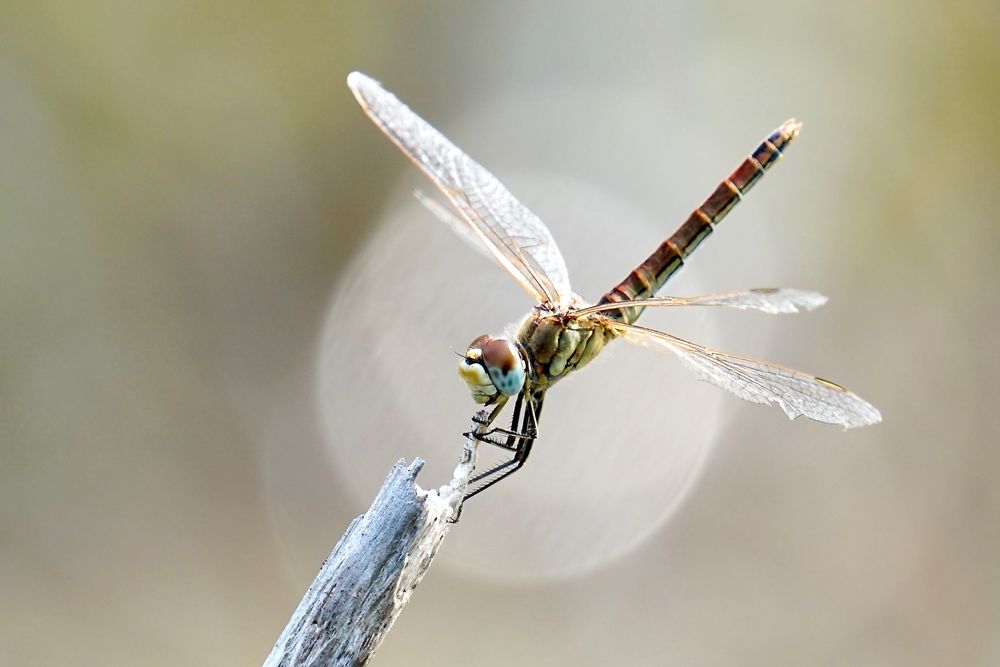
[795, 392]
[515, 236]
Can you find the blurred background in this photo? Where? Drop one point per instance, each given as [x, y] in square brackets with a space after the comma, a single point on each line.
[225, 317]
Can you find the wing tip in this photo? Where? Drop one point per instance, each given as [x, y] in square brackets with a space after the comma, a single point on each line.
[869, 419]
[815, 300]
[363, 86]
[799, 300]
[861, 412]
[357, 79]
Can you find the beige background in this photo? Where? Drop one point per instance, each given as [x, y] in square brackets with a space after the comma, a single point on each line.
[223, 318]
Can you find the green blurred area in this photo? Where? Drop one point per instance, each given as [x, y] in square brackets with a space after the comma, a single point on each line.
[182, 185]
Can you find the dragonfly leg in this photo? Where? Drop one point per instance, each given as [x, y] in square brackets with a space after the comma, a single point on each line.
[521, 440]
[510, 442]
[527, 430]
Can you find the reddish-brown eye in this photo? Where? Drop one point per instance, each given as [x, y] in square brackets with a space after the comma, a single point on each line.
[479, 342]
[504, 365]
[500, 354]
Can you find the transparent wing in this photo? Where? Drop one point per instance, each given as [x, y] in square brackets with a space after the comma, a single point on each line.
[517, 237]
[795, 392]
[457, 225]
[767, 299]
[466, 233]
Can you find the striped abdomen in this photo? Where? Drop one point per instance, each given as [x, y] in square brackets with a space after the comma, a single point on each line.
[650, 276]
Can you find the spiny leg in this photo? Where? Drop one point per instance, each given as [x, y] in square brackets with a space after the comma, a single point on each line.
[521, 440]
[510, 443]
[501, 471]
[513, 443]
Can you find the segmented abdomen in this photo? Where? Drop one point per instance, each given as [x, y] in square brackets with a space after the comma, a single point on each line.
[648, 277]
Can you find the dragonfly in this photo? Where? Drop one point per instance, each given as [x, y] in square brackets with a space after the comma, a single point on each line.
[563, 332]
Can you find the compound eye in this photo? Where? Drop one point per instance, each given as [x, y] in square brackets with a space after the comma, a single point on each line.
[475, 351]
[504, 365]
[499, 353]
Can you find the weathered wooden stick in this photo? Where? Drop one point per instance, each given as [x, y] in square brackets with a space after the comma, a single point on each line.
[369, 576]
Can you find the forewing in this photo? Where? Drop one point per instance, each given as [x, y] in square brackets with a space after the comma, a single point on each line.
[772, 300]
[516, 236]
[458, 225]
[795, 392]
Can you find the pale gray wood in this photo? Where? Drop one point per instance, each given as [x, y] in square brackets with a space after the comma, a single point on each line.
[370, 574]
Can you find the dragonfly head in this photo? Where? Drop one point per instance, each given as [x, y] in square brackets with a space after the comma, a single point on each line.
[492, 367]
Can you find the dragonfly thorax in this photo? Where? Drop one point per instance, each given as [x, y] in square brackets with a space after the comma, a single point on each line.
[492, 368]
[558, 343]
